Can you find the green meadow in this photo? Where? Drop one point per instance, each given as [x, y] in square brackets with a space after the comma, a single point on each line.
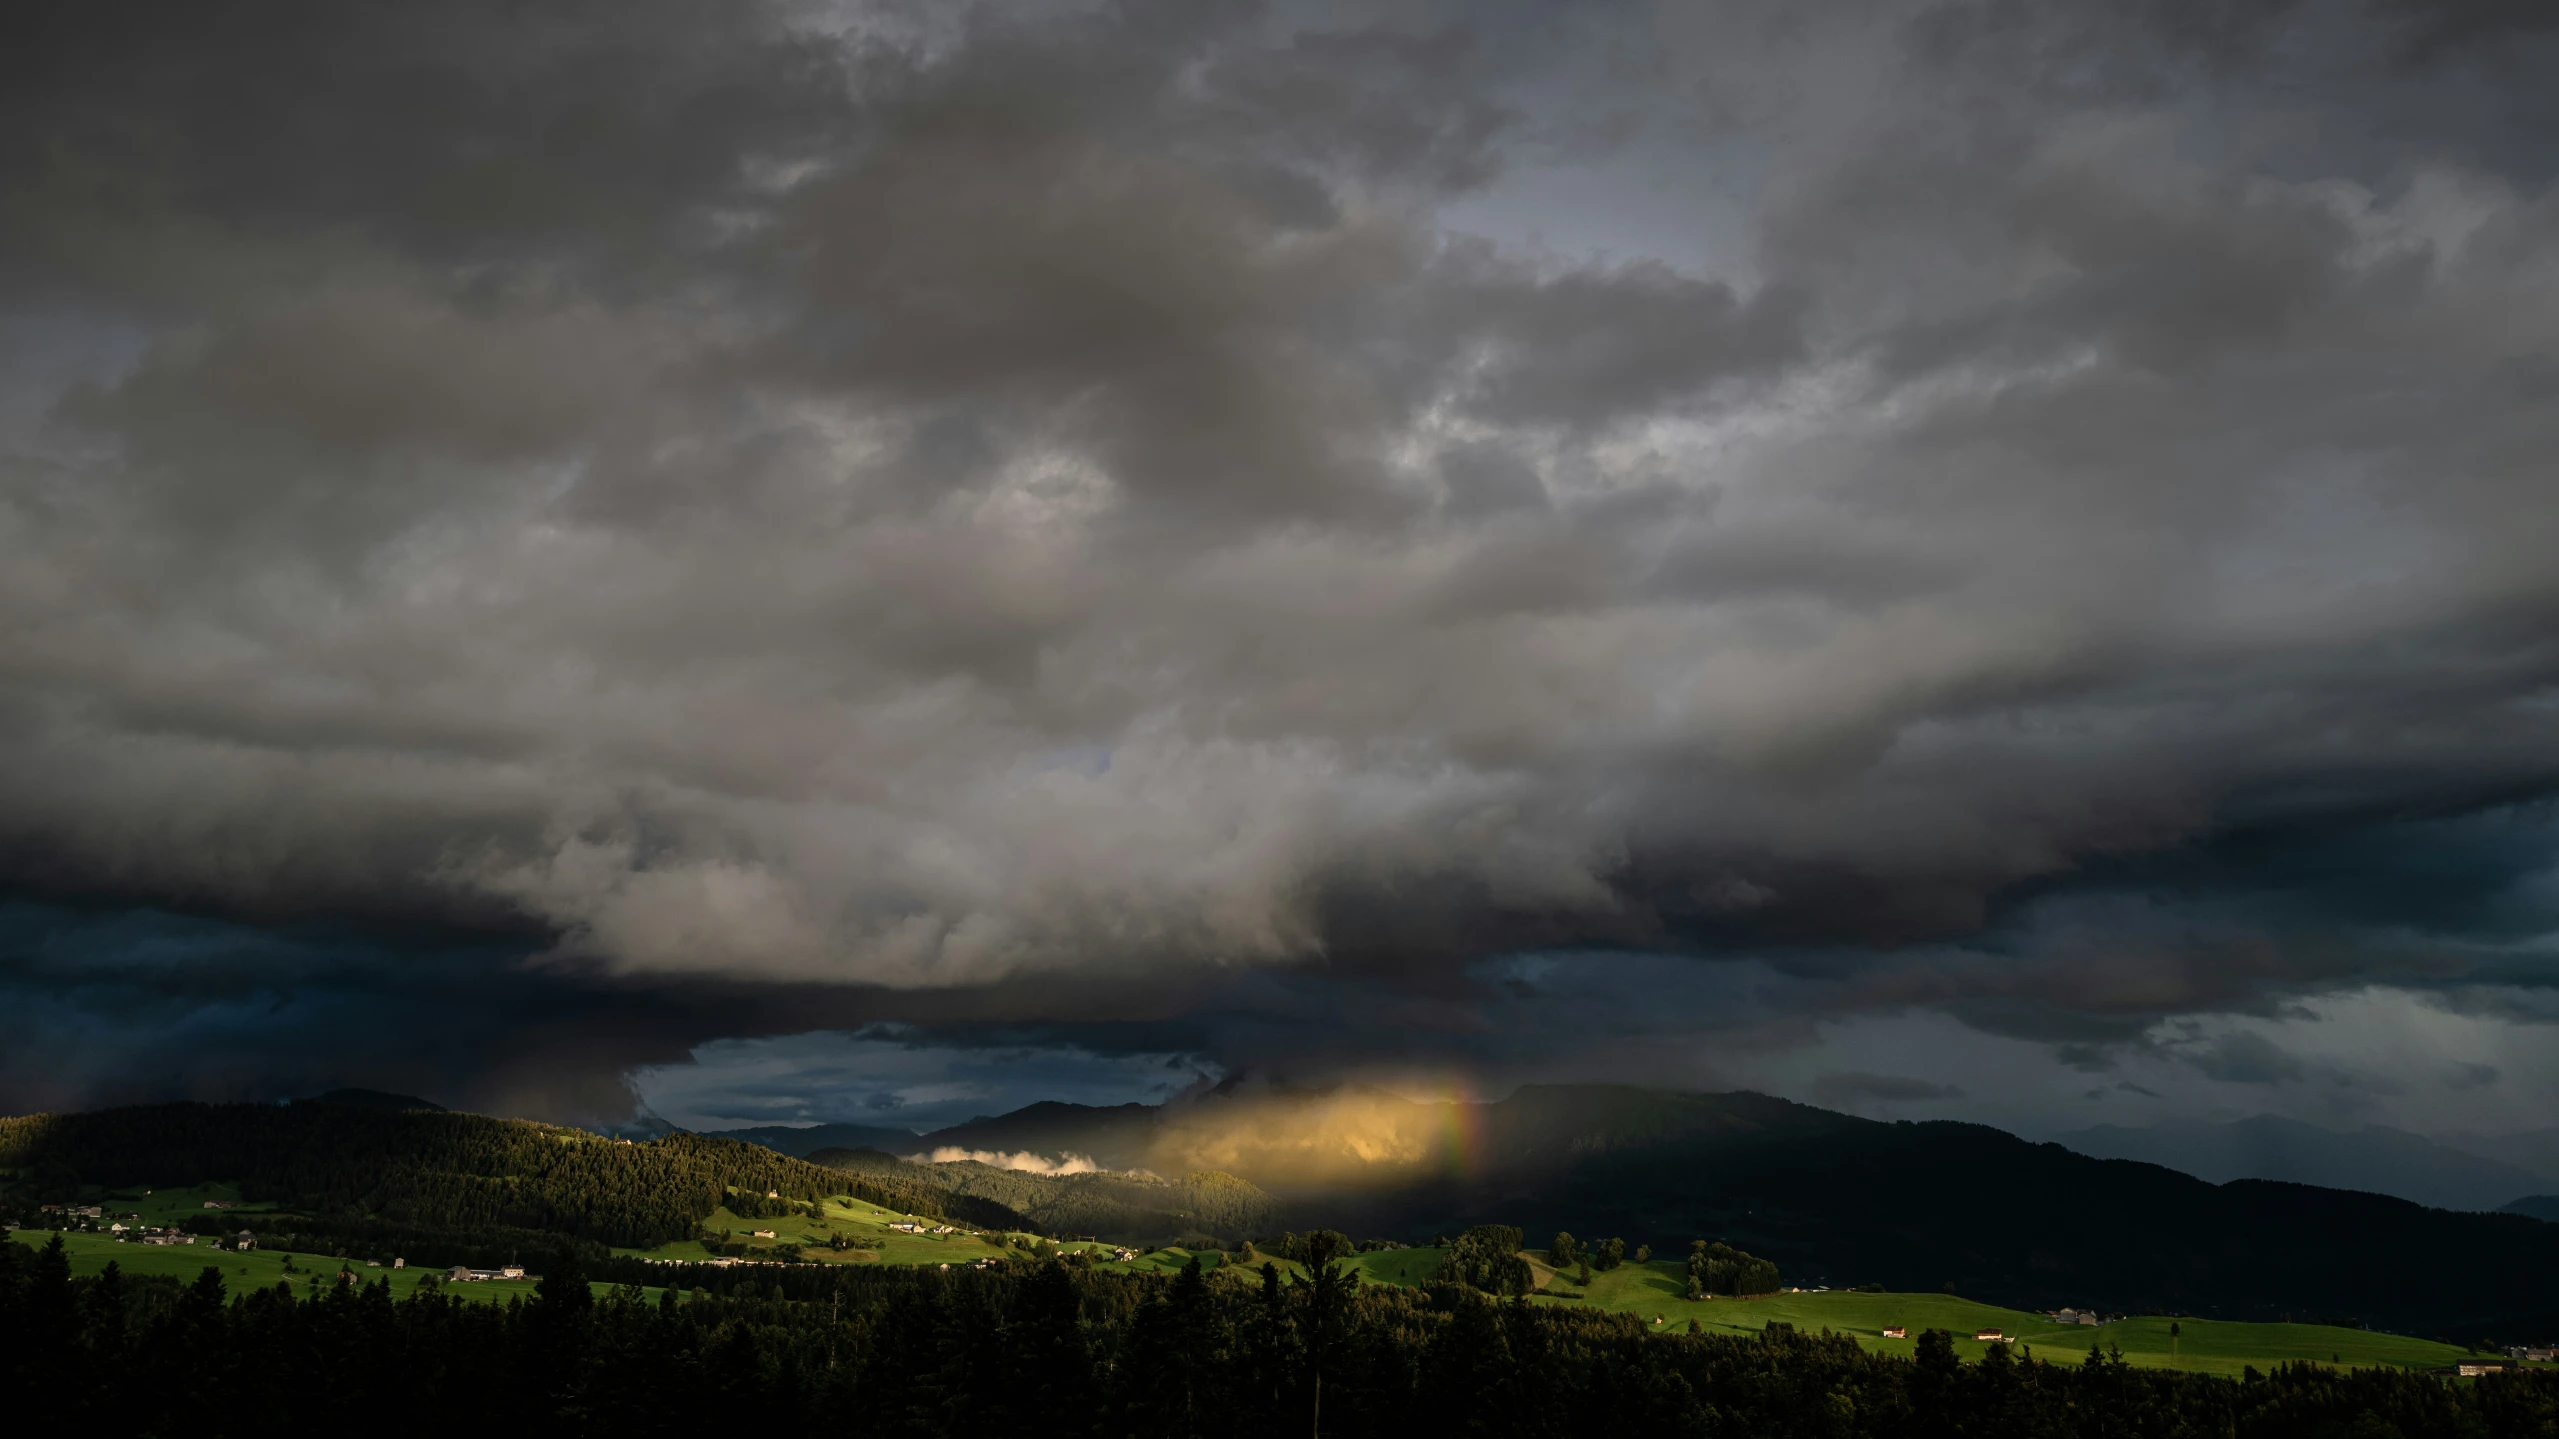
[2204, 1346]
[260, 1268]
[176, 1206]
[1656, 1292]
[863, 1226]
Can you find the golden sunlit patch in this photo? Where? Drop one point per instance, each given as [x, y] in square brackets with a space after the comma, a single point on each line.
[1350, 1137]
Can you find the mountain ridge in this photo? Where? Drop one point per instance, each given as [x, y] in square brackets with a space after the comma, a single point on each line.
[2375, 1159]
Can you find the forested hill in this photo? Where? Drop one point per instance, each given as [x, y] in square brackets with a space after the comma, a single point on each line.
[430, 1174]
[1929, 1205]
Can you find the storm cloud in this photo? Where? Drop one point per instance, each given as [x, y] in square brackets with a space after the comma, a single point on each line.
[1181, 528]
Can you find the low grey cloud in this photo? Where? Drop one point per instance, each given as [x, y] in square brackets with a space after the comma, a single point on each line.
[1852, 1090]
[981, 517]
[2247, 1058]
[2472, 1076]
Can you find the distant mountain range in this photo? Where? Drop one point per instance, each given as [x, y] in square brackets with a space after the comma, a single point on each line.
[374, 1099]
[801, 1141]
[2534, 1149]
[2374, 1159]
[2539, 1206]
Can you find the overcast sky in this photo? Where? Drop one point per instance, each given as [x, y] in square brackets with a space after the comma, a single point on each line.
[885, 561]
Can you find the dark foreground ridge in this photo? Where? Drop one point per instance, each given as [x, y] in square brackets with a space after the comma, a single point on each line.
[1051, 1349]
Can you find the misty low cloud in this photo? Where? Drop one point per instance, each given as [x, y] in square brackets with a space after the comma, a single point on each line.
[1048, 511]
[1019, 1159]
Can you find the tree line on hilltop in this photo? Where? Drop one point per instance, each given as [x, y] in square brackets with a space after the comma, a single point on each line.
[1042, 1347]
[438, 1177]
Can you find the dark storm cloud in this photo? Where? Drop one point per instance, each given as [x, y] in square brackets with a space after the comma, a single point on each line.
[800, 515]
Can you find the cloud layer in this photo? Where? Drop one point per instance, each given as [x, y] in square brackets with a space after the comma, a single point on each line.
[1036, 515]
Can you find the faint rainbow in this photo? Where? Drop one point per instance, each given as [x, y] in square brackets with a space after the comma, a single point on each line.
[1463, 1130]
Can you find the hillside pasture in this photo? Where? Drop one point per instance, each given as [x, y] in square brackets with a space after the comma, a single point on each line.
[2204, 1346]
[866, 1228]
[263, 1269]
[172, 1207]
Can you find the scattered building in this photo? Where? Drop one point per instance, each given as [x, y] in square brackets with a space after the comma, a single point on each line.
[766, 1234]
[2531, 1355]
[217, 1204]
[1891, 1332]
[1990, 1335]
[2076, 1316]
[246, 1240]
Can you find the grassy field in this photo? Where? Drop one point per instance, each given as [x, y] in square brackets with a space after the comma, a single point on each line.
[2204, 1346]
[259, 1268]
[865, 1227]
[177, 1206]
[1656, 1291]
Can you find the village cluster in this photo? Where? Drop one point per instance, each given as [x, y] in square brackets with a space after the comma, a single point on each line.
[88, 1217]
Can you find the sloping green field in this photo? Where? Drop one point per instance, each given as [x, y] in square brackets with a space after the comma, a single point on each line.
[2206, 1346]
[863, 1226]
[259, 1268]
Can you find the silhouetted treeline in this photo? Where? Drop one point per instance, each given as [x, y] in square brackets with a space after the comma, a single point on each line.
[1719, 1268]
[440, 1176]
[1048, 1350]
